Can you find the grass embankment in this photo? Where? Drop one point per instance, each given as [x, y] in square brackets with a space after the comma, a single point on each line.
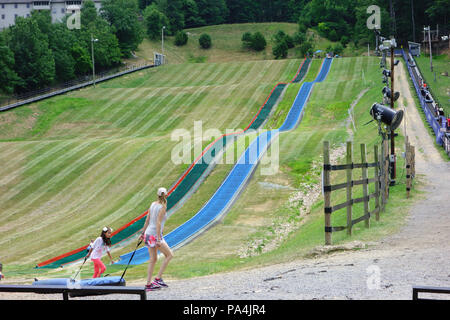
[438, 79]
[95, 157]
[227, 44]
[269, 206]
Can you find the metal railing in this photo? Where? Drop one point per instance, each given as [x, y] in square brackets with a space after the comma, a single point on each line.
[44, 93]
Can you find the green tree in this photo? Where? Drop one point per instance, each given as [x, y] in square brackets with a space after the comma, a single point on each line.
[205, 41]
[247, 39]
[181, 38]
[9, 78]
[191, 15]
[122, 15]
[213, 11]
[280, 50]
[154, 21]
[34, 62]
[258, 41]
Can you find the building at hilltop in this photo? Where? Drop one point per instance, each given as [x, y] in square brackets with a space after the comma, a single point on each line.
[11, 9]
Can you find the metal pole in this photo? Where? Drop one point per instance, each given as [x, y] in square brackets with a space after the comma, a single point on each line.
[93, 63]
[431, 55]
[162, 39]
[393, 160]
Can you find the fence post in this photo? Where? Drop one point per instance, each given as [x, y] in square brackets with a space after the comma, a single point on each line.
[327, 194]
[408, 166]
[382, 182]
[365, 184]
[386, 170]
[377, 182]
[349, 187]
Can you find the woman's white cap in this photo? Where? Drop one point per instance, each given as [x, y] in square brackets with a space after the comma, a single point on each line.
[161, 191]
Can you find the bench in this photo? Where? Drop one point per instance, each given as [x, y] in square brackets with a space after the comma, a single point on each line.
[86, 290]
[417, 289]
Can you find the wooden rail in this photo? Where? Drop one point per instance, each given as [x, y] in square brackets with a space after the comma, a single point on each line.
[79, 291]
[348, 185]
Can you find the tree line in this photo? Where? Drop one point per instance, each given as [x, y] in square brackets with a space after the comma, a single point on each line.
[35, 53]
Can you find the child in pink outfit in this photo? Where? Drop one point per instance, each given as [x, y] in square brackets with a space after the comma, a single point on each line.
[100, 244]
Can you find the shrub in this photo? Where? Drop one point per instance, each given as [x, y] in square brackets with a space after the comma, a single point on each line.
[258, 42]
[205, 41]
[181, 38]
[247, 39]
[280, 50]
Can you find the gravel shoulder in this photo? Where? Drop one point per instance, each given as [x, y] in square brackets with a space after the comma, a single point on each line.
[417, 255]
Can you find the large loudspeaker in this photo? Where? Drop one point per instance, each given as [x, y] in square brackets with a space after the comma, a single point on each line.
[386, 115]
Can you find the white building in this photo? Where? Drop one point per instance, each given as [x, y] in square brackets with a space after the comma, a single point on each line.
[10, 9]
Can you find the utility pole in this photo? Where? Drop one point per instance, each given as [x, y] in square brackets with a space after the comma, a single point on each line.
[93, 62]
[393, 159]
[162, 39]
[412, 18]
[431, 54]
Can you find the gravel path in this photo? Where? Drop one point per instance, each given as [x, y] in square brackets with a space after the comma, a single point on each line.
[417, 255]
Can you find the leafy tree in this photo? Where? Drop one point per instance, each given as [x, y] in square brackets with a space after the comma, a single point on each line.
[181, 38]
[80, 54]
[213, 11]
[175, 15]
[122, 15]
[88, 13]
[247, 39]
[280, 50]
[154, 21]
[34, 62]
[9, 78]
[191, 15]
[258, 41]
[306, 48]
[205, 41]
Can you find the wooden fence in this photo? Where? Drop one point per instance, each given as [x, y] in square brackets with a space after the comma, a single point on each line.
[379, 179]
[410, 165]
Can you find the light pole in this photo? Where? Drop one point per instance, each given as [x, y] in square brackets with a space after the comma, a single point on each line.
[429, 41]
[162, 39]
[93, 62]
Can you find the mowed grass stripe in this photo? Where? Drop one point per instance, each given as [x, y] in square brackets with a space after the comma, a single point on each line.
[49, 166]
[123, 208]
[161, 90]
[47, 153]
[17, 153]
[81, 220]
[169, 117]
[82, 217]
[46, 185]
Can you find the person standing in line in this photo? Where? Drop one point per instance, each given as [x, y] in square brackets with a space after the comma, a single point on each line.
[152, 234]
[100, 244]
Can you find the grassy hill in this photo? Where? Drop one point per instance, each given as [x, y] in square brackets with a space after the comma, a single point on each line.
[75, 163]
[439, 79]
[95, 157]
[227, 44]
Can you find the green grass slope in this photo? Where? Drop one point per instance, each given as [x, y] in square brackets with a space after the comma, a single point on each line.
[75, 163]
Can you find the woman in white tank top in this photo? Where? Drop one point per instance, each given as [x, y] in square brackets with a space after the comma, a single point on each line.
[152, 234]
